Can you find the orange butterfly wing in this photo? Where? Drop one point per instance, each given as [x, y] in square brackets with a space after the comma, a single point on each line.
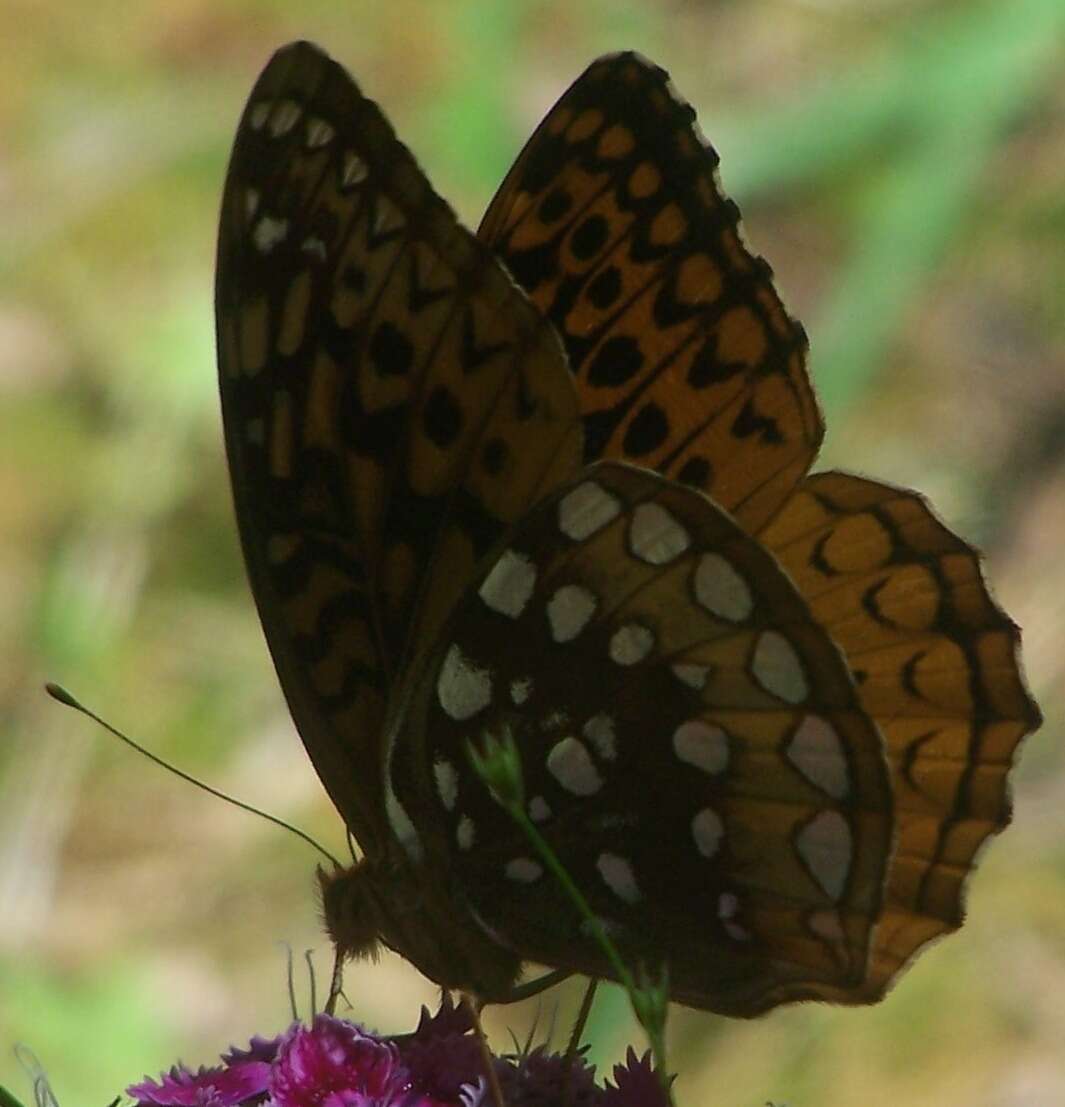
[936, 666]
[391, 401]
[692, 748]
[613, 222]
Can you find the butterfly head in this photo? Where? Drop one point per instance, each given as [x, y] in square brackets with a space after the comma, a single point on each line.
[409, 909]
[350, 914]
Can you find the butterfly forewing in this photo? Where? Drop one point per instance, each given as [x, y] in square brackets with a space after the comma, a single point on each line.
[935, 662]
[692, 748]
[613, 221]
[391, 400]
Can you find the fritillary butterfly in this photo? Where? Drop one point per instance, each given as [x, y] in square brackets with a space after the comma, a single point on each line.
[765, 719]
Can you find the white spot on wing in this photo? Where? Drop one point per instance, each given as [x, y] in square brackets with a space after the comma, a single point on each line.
[721, 589]
[259, 114]
[727, 907]
[586, 509]
[569, 611]
[509, 584]
[388, 216]
[398, 820]
[523, 869]
[268, 232]
[825, 844]
[401, 825]
[599, 730]
[284, 117]
[618, 876]
[465, 833]
[655, 535]
[631, 643]
[314, 246]
[591, 929]
[251, 202]
[702, 744]
[691, 674]
[539, 809]
[570, 763]
[319, 132]
[707, 831]
[447, 783]
[817, 752]
[520, 690]
[462, 687]
[353, 171]
[777, 668]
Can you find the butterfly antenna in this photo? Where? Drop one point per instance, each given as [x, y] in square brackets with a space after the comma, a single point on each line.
[64, 697]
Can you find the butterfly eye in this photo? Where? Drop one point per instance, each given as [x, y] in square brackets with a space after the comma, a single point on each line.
[551, 481]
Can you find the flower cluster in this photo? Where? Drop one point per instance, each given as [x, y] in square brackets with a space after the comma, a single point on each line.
[335, 1063]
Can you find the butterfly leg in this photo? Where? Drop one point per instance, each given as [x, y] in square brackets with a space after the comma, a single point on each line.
[336, 983]
[533, 987]
[582, 1017]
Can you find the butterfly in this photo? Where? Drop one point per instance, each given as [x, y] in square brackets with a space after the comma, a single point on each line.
[551, 481]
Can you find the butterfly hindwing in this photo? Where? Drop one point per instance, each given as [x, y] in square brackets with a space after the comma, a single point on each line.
[692, 748]
[612, 219]
[391, 401]
[936, 665]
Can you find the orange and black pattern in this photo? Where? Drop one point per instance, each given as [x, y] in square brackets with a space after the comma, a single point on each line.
[934, 660]
[391, 402]
[551, 482]
[613, 221]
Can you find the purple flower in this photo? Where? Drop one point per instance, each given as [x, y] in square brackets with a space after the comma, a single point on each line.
[442, 1058]
[636, 1084]
[259, 1049]
[450, 1019]
[442, 1068]
[542, 1079]
[333, 1063]
[244, 1082]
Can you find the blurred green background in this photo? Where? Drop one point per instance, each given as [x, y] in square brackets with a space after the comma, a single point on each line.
[902, 165]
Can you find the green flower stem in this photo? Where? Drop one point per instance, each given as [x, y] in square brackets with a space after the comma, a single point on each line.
[499, 766]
